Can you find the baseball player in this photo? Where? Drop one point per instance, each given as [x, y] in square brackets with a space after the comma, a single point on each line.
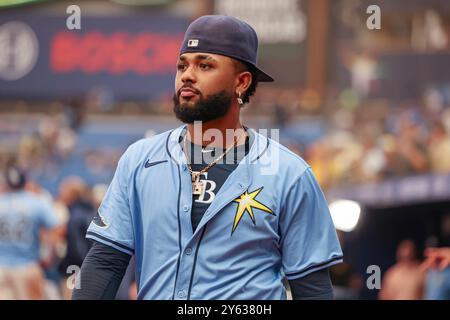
[22, 216]
[233, 224]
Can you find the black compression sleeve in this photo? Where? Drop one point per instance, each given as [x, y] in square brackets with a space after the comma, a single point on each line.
[101, 273]
[314, 286]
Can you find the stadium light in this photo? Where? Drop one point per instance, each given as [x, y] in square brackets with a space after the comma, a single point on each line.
[345, 214]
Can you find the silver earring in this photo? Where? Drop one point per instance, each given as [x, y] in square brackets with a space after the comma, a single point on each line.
[239, 99]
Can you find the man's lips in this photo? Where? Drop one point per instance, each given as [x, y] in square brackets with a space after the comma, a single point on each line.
[187, 93]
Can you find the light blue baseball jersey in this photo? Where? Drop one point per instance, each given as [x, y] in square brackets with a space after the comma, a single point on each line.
[268, 221]
[22, 216]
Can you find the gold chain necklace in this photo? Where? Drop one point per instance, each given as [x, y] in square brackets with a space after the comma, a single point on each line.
[197, 185]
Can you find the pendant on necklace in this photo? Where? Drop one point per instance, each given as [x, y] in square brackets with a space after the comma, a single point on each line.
[197, 185]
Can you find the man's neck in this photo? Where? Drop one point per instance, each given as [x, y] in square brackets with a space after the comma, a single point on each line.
[217, 133]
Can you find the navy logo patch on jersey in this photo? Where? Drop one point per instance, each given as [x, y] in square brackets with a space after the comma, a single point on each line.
[100, 221]
[246, 203]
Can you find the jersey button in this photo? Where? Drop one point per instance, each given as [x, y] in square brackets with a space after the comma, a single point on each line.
[181, 294]
[186, 208]
[188, 250]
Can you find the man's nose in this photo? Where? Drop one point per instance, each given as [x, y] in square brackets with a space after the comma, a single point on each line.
[189, 75]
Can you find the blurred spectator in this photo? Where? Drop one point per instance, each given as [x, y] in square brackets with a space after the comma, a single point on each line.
[364, 70]
[30, 152]
[437, 263]
[75, 112]
[22, 216]
[436, 258]
[411, 144]
[373, 160]
[53, 244]
[404, 280]
[57, 137]
[73, 193]
[317, 157]
[280, 115]
[438, 277]
[439, 148]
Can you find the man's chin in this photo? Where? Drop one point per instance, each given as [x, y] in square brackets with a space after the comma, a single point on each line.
[185, 113]
[188, 101]
[198, 109]
[187, 104]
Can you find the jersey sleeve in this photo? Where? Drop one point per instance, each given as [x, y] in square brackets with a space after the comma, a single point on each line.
[112, 224]
[309, 240]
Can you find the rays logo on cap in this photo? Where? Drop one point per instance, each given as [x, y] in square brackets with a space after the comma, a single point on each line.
[192, 43]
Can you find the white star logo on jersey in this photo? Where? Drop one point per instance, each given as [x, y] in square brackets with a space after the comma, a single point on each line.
[246, 203]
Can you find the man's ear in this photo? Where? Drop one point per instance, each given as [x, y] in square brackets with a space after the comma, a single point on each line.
[243, 81]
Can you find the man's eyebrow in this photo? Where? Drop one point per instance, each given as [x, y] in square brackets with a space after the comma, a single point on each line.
[204, 57]
[199, 57]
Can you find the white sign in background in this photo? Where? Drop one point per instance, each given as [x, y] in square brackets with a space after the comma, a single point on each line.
[273, 21]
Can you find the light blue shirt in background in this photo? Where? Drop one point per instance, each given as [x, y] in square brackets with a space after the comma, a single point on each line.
[438, 285]
[22, 216]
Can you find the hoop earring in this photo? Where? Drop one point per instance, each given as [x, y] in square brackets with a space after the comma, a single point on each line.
[239, 99]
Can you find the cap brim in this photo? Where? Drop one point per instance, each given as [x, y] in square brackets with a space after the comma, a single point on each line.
[264, 77]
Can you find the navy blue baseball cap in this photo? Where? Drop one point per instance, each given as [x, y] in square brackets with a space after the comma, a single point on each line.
[15, 177]
[224, 35]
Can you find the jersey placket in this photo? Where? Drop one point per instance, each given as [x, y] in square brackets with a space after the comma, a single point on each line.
[191, 242]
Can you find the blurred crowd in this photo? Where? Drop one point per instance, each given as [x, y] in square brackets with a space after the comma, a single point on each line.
[46, 144]
[360, 139]
[39, 146]
[40, 254]
[49, 147]
[377, 140]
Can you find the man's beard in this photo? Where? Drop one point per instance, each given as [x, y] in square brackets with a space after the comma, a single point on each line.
[212, 107]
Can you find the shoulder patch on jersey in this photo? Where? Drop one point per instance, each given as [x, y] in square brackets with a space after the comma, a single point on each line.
[246, 203]
[100, 221]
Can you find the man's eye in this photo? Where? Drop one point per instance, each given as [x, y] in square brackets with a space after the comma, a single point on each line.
[181, 67]
[204, 66]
